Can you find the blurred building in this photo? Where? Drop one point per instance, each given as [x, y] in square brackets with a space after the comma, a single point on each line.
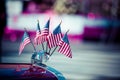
[94, 20]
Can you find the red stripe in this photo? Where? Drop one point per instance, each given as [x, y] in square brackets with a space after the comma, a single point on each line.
[51, 40]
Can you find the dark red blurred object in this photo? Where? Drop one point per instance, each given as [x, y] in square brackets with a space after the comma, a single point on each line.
[22, 71]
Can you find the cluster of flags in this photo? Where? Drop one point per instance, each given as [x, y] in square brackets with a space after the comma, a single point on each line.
[54, 39]
[41, 36]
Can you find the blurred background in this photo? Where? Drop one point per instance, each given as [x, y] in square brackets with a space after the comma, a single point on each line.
[94, 35]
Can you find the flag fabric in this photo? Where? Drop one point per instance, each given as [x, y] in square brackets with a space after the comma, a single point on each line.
[40, 37]
[38, 29]
[50, 40]
[37, 39]
[25, 41]
[45, 30]
[65, 47]
[53, 39]
[57, 34]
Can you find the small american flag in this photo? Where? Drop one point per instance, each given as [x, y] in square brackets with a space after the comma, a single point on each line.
[37, 39]
[40, 36]
[65, 47]
[45, 30]
[25, 41]
[54, 38]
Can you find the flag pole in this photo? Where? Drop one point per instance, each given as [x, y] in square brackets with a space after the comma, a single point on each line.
[31, 40]
[53, 50]
[49, 51]
[67, 31]
[46, 46]
[40, 33]
[42, 46]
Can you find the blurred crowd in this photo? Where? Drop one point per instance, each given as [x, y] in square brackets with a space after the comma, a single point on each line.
[101, 8]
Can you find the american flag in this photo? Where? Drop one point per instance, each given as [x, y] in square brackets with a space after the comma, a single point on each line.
[54, 38]
[40, 35]
[45, 30]
[25, 41]
[65, 47]
[37, 39]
